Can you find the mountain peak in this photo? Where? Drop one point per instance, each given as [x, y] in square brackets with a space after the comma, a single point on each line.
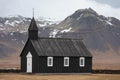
[83, 12]
[87, 10]
[88, 19]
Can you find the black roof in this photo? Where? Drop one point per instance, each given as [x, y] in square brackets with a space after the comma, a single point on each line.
[33, 25]
[60, 47]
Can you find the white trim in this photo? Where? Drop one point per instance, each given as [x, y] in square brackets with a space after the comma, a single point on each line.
[29, 62]
[29, 55]
[82, 64]
[66, 64]
[50, 64]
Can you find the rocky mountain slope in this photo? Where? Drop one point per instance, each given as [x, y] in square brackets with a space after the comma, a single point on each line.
[100, 34]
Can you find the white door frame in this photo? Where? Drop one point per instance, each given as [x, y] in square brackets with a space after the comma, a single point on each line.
[29, 62]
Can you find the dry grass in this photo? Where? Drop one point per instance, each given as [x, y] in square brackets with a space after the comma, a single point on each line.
[101, 60]
[11, 76]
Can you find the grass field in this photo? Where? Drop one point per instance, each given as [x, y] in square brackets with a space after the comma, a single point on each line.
[13, 76]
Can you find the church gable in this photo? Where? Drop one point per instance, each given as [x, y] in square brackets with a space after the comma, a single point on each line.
[28, 48]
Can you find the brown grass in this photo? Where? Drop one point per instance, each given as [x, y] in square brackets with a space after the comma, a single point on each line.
[11, 76]
[101, 60]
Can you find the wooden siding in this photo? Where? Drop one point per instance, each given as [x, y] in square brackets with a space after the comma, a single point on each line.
[33, 34]
[35, 58]
[58, 65]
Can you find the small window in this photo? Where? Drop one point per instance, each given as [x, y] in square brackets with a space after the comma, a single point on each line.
[82, 62]
[66, 61]
[50, 61]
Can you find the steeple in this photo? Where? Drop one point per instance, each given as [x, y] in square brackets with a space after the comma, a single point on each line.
[33, 30]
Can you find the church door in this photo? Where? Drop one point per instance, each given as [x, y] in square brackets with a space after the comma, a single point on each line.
[29, 62]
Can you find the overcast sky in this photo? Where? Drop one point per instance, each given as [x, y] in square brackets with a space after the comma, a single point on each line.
[58, 9]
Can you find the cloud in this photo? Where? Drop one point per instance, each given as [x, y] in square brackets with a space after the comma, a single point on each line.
[113, 3]
[106, 9]
[58, 9]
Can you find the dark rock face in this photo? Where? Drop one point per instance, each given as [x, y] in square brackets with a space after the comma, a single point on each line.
[98, 32]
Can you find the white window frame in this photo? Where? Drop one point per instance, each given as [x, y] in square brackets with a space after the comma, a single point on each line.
[66, 59]
[48, 61]
[82, 59]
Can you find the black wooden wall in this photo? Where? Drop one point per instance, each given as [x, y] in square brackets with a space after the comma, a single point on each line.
[28, 47]
[33, 34]
[58, 65]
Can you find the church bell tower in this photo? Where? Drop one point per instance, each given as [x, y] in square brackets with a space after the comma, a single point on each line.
[33, 30]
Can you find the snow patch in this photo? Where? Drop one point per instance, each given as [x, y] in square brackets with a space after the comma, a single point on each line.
[42, 25]
[66, 30]
[108, 22]
[80, 16]
[46, 19]
[14, 39]
[8, 23]
[12, 24]
[47, 23]
[11, 34]
[17, 21]
[59, 36]
[22, 31]
[23, 42]
[109, 19]
[53, 33]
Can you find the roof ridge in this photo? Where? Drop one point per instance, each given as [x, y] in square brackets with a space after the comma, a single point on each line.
[58, 38]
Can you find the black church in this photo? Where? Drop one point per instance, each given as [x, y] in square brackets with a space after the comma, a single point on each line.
[54, 55]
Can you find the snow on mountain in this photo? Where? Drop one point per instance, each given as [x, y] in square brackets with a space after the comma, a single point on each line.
[11, 34]
[66, 30]
[10, 23]
[20, 24]
[53, 33]
[42, 25]
[108, 22]
[80, 16]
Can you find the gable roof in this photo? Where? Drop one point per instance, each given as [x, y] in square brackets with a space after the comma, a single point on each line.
[33, 25]
[60, 47]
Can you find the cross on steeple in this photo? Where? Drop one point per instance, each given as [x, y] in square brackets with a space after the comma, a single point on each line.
[33, 29]
[33, 12]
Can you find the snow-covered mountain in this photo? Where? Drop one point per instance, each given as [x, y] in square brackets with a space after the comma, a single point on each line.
[13, 32]
[20, 23]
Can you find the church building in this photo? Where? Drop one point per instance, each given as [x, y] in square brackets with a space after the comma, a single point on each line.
[54, 55]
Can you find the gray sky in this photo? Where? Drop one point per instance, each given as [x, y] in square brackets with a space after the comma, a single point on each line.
[58, 9]
[113, 3]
